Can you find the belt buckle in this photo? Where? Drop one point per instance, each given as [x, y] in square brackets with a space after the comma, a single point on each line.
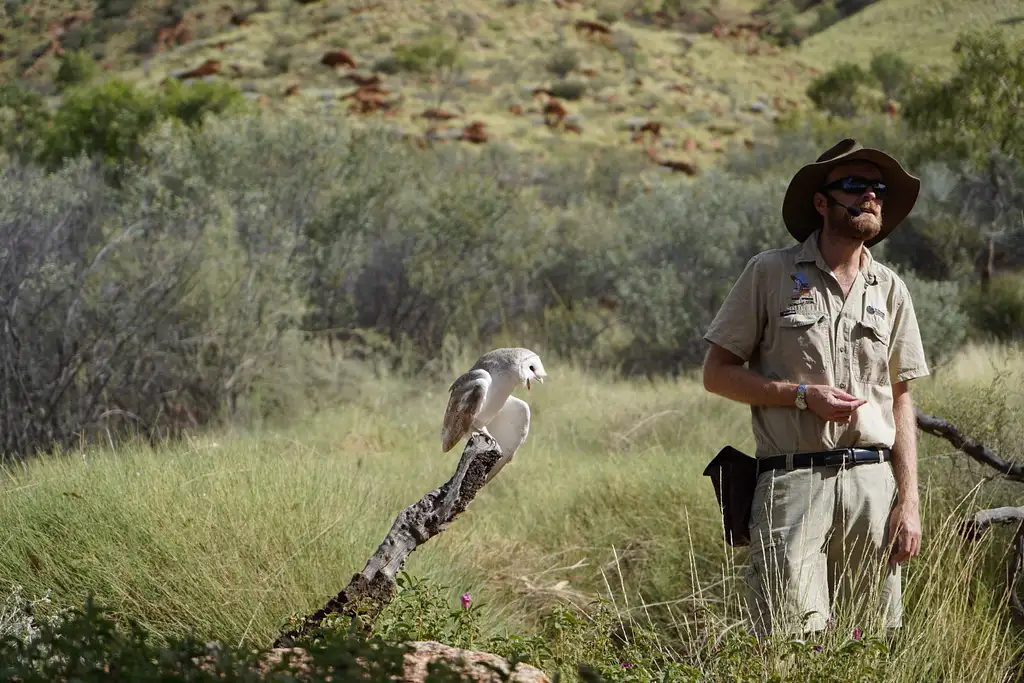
[840, 458]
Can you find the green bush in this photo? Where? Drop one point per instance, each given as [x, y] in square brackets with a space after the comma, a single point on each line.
[569, 90]
[87, 644]
[944, 323]
[77, 67]
[562, 61]
[997, 312]
[106, 121]
[894, 73]
[841, 90]
[23, 120]
[431, 52]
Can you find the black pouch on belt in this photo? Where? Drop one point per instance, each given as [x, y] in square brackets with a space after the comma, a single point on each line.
[734, 476]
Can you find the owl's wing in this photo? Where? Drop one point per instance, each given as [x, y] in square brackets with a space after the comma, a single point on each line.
[509, 428]
[466, 397]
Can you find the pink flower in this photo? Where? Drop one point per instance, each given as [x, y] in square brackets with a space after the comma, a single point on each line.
[465, 599]
[857, 633]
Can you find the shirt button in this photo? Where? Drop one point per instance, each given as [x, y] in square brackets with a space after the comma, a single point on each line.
[842, 385]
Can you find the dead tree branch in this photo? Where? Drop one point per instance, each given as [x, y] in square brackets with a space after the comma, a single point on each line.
[979, 523]
[974, 527]
[983, 519]
[369, 591]
[936, 426]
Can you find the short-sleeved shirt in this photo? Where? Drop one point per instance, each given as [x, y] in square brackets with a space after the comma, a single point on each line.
[786, 316]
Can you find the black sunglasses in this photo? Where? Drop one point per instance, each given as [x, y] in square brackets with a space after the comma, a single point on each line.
[858, 185]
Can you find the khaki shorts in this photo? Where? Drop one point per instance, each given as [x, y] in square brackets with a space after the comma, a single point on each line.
[819, 540]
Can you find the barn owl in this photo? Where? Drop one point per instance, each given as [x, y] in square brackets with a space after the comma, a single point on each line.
[481, 400]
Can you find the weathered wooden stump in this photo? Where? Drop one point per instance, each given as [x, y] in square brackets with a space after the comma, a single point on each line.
[369, 591]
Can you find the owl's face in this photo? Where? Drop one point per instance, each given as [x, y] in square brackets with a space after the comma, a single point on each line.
[532, 370]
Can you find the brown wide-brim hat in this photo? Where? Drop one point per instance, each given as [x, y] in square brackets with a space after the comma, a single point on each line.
[798, 211]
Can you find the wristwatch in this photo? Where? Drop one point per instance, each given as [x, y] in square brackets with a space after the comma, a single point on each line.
[801, 397]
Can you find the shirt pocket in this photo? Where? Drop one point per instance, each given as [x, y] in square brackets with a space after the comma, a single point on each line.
[871, 350]
[804, 344]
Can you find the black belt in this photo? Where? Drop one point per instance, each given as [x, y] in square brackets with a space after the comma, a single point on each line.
[836, 458]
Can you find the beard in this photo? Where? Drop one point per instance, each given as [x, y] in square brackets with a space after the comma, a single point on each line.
[862, 228]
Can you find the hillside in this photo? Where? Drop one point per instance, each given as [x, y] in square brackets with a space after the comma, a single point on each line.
[705, 77]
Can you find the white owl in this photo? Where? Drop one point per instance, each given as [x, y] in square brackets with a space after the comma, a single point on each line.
[481, 400]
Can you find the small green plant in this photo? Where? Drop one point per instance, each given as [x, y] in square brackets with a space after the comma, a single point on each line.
[562, 61]
[77, 67]
[431, 52]
[87, 644]
[568, 90]
[422, 611]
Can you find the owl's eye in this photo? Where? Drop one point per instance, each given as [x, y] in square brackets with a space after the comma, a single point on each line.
[532, 369]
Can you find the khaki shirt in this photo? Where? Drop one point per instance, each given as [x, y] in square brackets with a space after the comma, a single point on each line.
[787, 317]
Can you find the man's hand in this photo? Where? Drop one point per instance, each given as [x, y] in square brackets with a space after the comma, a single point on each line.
[829, 403]
[904, 532]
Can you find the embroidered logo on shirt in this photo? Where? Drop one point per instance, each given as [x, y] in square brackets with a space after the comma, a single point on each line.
[875, 311]
[801, 287]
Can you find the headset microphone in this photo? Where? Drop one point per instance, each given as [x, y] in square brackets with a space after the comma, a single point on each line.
[852, 210]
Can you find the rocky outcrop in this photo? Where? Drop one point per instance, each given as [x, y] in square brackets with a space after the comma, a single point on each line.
[477, 666]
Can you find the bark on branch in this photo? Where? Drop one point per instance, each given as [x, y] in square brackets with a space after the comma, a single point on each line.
[369, 591]
[977, 525]
[936, 426]
[982, 520]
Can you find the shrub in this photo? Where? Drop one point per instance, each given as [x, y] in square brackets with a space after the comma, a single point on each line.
[943, 322]
[23, 120]
[124, 305]
[87, 645]
[893, 72]
[430, 52]
[680, 266]
[77, 67]
[562, 61]
[840, 90]
[998, 310]
[568, 90]
[107, 121]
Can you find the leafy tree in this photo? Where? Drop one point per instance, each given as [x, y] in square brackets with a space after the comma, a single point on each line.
[976, 111]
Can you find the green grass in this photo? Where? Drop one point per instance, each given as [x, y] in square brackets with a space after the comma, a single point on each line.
[227, 534]
[923, 31]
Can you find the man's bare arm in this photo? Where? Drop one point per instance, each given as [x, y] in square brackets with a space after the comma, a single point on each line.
[725, 375]
[905, 519]
[904, 449]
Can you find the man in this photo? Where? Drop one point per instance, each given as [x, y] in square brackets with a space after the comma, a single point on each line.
[831, 340]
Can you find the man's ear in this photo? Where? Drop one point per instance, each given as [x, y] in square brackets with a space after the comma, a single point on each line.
[820, 203]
